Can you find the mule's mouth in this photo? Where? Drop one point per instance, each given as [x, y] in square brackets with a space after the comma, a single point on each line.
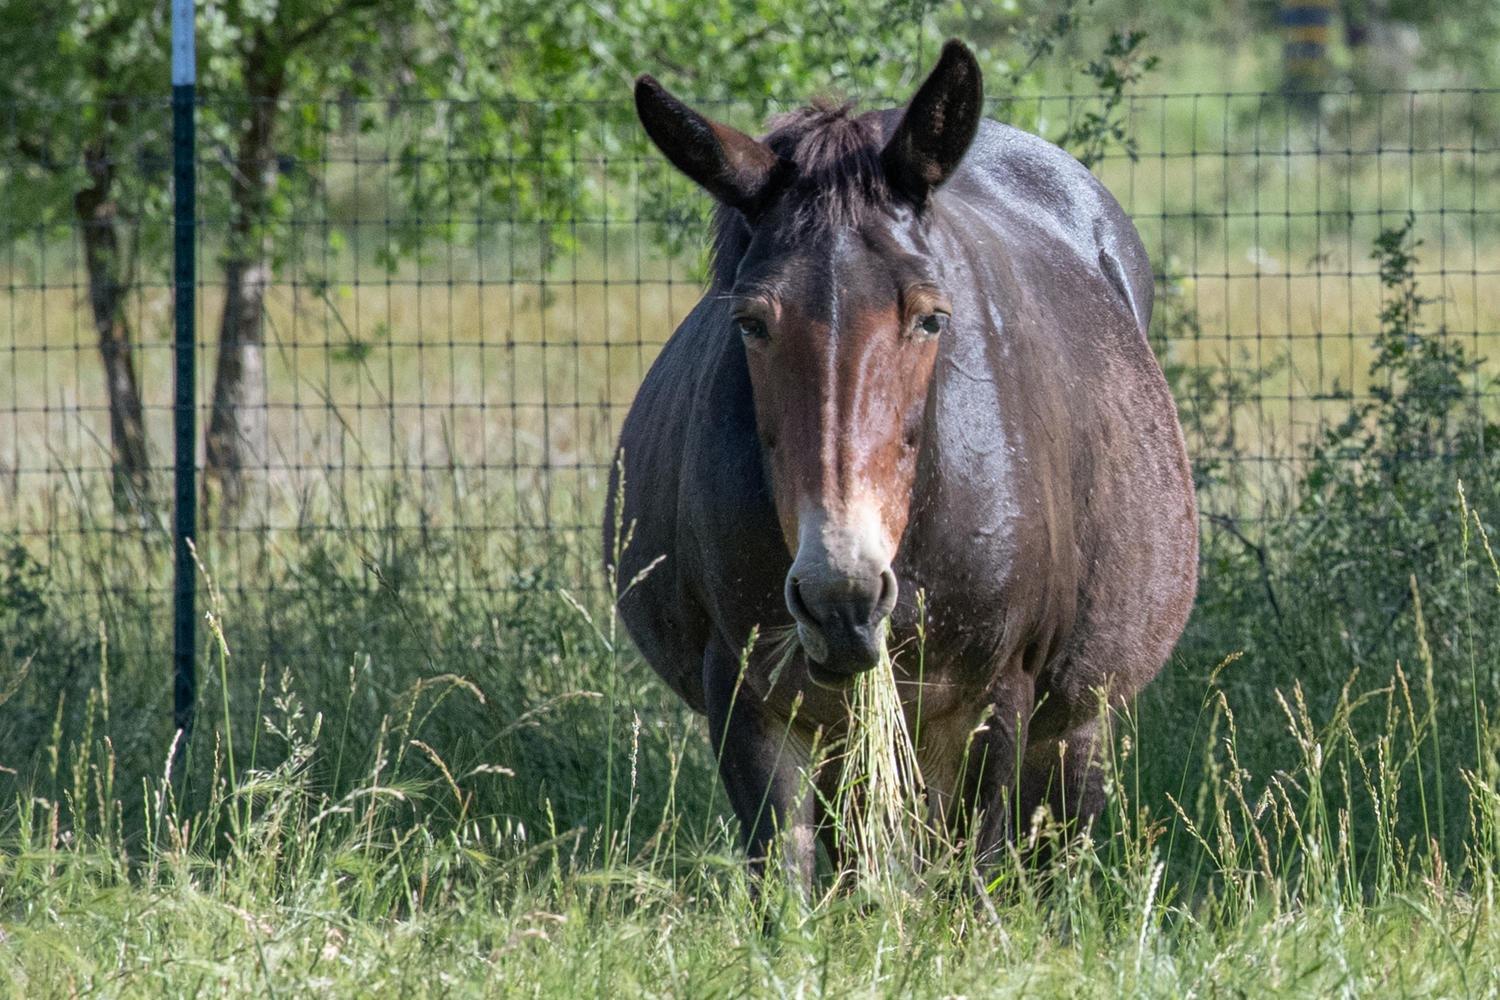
[813, 643]
[842, 630]
[831, 680]
[835, 665]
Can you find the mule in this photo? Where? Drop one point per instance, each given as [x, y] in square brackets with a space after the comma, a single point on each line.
[920, 365]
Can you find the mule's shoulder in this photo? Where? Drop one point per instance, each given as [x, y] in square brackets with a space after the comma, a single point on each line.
[1016, 177]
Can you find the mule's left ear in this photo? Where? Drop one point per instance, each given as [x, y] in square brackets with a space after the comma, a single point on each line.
[938, 125]
[739, 171]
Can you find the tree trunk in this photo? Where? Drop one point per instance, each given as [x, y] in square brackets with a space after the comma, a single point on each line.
[237, 441]
[96, 211]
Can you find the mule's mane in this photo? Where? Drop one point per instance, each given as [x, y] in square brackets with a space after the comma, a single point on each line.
[838, 178]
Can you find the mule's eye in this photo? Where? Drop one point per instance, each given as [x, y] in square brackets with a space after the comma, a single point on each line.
[932, 324]
[751, 328]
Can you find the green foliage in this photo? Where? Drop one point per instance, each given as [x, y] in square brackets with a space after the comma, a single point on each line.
[1377, 505]
[1370, 561]
[513, 111]
[553, 82]
[1118, 69]
[1424, 388]
[22, 581]
[79, 80]
[48, 656]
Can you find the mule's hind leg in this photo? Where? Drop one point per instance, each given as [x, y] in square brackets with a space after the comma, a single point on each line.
[761, 763]
[993, 756]
[1065, 777]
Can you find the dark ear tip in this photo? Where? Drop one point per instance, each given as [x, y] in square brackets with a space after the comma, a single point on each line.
[955, 51]
[652, 100]
[646, 86]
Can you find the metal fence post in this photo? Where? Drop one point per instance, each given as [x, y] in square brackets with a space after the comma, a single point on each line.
[184, 392]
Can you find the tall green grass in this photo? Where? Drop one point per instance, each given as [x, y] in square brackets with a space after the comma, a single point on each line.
[456, 803]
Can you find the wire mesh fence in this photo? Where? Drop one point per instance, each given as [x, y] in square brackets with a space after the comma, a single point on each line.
[438, 331]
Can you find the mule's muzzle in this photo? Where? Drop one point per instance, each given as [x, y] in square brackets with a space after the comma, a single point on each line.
[840, 619]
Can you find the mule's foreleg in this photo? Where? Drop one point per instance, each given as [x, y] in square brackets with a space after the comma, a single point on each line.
[762, 764]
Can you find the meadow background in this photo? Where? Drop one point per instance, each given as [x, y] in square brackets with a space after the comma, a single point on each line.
[426, 759]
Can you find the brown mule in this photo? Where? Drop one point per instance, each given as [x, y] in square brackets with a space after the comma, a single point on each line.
[921, 365]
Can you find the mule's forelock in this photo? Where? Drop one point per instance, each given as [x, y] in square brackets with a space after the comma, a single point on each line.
[836, 153]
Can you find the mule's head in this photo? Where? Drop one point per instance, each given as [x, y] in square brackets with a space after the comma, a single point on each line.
[838, 297]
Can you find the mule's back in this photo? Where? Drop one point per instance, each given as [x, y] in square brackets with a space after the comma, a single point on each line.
[1077, 284]
[1036, 192]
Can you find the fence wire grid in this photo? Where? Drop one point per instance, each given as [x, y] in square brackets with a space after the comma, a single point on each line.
[456, 316]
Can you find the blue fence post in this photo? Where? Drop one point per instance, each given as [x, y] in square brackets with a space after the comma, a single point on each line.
[1304, 27]
[184, 390]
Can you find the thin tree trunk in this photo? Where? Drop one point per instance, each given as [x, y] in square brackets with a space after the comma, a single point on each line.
[237, 441]
[96, 211]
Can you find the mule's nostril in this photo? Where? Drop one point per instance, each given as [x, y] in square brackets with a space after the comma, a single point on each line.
[889, 591]
[796, 603]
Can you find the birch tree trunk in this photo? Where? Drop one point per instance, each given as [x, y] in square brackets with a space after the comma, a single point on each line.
[237, 440]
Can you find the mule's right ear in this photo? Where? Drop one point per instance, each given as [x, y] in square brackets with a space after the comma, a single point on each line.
[739, 171]
[937, 126]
